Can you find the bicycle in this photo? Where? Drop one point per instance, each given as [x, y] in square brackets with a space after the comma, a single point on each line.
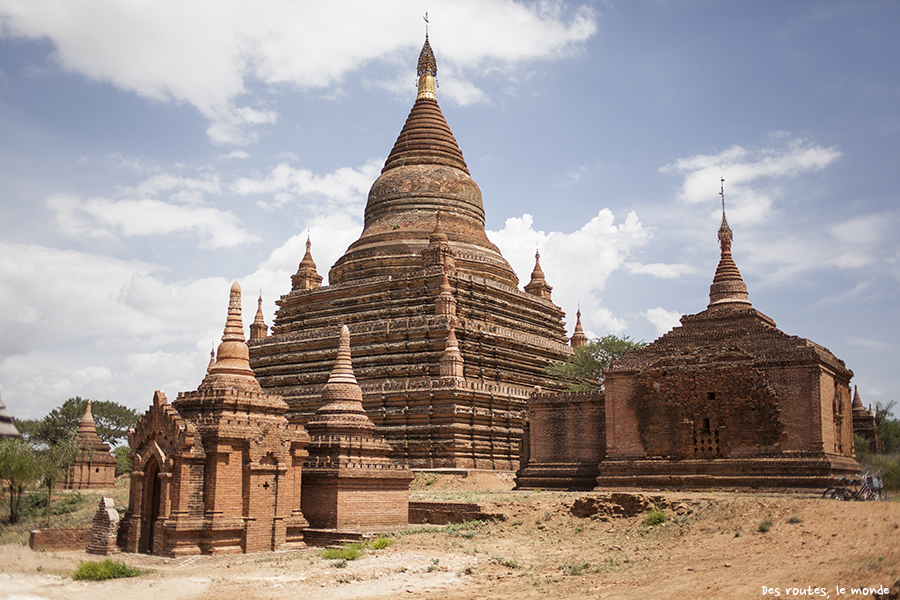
[847, 490]
[867, 486]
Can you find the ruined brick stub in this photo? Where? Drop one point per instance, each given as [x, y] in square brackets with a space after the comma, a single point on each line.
[104, 529]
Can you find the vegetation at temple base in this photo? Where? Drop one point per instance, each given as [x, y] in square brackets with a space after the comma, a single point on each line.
[105, 569]
[112, 421]
[887, 459]
[584, 369]
[42, 457]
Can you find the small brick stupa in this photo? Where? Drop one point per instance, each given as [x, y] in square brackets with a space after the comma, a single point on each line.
[728, 399]
[864, 424]
[350, 482]
[218, 470]
[94, 466]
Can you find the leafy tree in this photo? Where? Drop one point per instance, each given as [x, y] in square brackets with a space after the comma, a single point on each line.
[123, 462]
[584, 369]
[111, 418]
[54, 463]
[19, 466]
[888, 427]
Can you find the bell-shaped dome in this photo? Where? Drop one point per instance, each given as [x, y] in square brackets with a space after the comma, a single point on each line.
[425, 173]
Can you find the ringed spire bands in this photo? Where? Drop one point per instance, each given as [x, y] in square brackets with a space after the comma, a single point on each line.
[424, 173]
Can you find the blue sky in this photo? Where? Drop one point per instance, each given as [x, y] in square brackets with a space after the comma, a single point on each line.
[152, 153]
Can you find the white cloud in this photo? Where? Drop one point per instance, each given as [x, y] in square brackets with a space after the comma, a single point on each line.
[104, 218]
[92, 325]
[345, 187]
[741, 167]
[661, 270]
[576, 264]
[664, 320]
[211, 53]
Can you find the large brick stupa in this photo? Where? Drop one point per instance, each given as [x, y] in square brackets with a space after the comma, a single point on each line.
[446, 346]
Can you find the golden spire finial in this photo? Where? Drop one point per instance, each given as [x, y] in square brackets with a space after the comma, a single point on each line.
[426, 69]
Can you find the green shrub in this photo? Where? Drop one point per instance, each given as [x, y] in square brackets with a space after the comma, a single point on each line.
[654, 517]
[765, 526]
[105, 569]
[33, 504]
[509, 563]
[381, 542]
[123, 463]
[68, 504]
[795, 519]
[345, 552]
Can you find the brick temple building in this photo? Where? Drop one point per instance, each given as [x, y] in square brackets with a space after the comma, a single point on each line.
[94, 466]
[864, 424]
[219, 469]
[446, 346]
[728, 399]
[725, 399]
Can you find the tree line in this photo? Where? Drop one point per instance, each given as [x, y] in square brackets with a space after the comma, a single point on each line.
[48, 447]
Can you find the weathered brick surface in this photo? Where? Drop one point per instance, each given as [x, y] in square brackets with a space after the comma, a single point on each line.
[566, 440]
[724, 399]
[94, 466]
[350, 482]
[444, 513]
[727, 399]
[77, 538]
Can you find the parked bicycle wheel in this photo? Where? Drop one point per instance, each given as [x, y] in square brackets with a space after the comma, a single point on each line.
[841, 494]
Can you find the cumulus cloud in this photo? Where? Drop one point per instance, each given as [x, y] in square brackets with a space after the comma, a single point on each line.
[576, 264]
[747, 173]
[211, 53]
[105, 218]
[88, 324]
[345, 187]
[664, 320]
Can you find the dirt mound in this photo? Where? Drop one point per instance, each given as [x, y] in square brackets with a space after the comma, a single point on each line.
[624, 504]
[452, 480]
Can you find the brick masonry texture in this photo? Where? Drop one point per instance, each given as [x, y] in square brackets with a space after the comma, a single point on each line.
[566, 441]
[77, 538]
[94, 466]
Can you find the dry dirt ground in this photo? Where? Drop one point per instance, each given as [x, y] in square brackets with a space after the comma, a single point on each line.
[714, 549]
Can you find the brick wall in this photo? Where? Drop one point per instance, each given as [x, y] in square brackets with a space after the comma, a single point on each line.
[77, 538]
[566, 440]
